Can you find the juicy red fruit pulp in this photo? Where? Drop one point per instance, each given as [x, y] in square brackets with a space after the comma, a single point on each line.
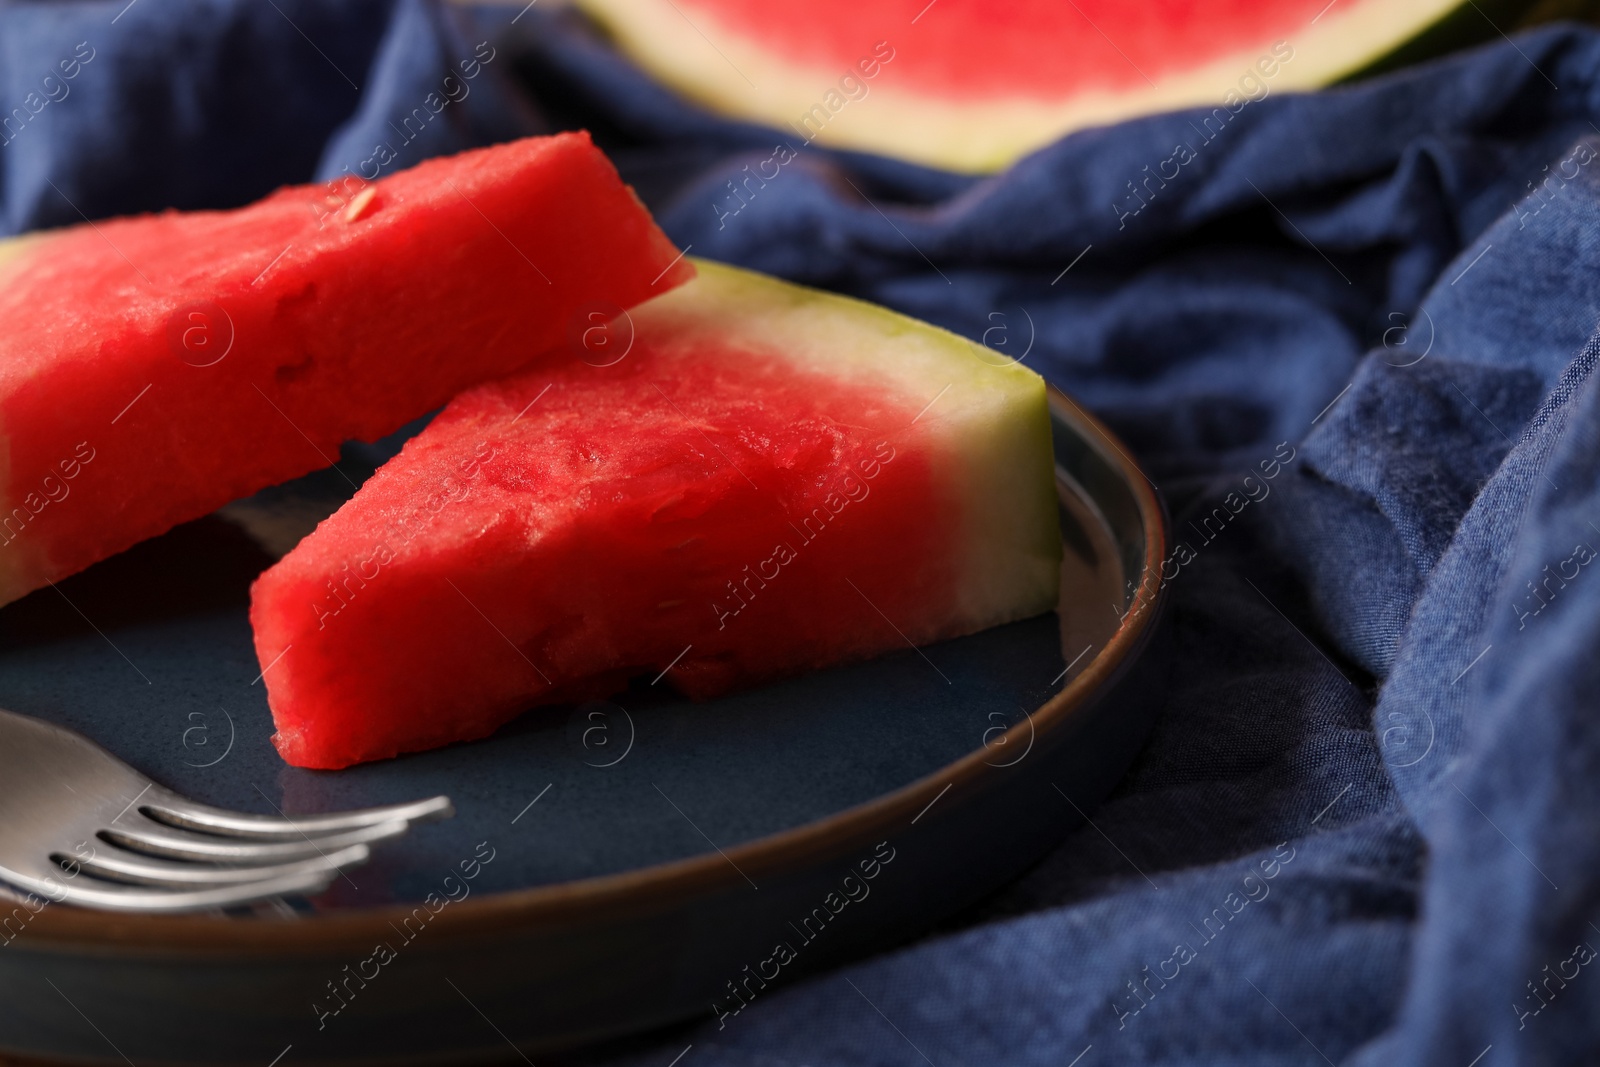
[152, 369]
[687, 514]
[979, 49]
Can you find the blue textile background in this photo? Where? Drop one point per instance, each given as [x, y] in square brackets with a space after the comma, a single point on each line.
[1387, 667]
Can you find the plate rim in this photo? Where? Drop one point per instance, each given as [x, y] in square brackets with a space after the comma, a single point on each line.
[660, 886]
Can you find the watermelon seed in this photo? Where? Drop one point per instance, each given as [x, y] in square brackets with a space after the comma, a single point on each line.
[358, 205]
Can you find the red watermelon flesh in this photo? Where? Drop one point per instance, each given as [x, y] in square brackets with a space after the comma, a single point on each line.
[964, 49]
[973, 84]
[155, 368]
[771, 480]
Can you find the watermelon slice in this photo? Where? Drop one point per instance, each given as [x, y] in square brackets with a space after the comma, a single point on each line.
[971, 85]
[153, 369]
[756, 479]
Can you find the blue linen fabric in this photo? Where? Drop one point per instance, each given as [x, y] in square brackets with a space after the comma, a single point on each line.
[1366, 828]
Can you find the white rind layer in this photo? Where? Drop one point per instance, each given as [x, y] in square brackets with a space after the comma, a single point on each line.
[986, 424]
[708, 62]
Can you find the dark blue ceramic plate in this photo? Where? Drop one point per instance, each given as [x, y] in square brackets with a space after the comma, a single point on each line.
[627, 859]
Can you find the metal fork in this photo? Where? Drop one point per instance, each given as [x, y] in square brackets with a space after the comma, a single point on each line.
[79, 826]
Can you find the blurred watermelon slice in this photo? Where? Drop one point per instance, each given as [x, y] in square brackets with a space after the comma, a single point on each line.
[971, 85]
[748, 480]
[153, 369]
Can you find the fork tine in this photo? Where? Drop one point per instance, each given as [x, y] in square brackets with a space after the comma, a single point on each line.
[123, 867]
[182, 844]
[170, 808]
[140, 899]
[61, 787]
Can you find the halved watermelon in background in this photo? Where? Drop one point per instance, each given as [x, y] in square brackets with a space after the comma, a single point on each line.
[973, 84]
[153, 369]
[750, 479]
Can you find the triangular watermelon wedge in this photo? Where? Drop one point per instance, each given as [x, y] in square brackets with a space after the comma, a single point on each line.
[747, 479]
[153, 369]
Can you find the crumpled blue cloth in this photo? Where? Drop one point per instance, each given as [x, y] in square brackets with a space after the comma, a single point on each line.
[1367, 827]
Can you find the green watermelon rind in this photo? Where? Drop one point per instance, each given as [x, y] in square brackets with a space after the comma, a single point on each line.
[1357, 39]
[1000, 460]
[983, 476]
[1470, 24]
